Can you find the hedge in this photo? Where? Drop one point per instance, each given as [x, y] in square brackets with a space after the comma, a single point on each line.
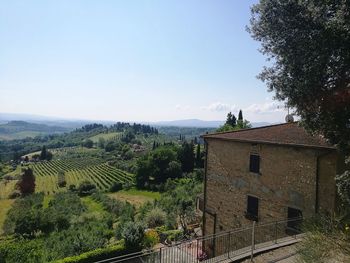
[96, 255]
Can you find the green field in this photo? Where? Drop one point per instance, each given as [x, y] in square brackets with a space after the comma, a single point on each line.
[106, 136]
[102, 175]
[6, 188]
[53, 167]
[136, 197]
[5, 205]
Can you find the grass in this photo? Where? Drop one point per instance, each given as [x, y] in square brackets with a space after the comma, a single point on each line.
[5, 205]
[6, 187]
[92, 205]
[47, 199]
[327, 239]
[136, 197]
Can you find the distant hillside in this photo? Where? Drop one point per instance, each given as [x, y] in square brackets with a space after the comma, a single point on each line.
[21, 129]
[200, 123]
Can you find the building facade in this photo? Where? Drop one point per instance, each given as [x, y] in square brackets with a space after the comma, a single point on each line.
[266, 174]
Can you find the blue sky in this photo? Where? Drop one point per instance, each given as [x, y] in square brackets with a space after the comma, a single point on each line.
[131, 60]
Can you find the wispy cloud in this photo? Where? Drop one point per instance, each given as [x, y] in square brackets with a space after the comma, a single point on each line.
[219, 106]
[266, 107]
[180, 107]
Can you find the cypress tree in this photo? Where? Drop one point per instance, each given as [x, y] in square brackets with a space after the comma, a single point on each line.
[240, 115]
[198, 156]
[43, 154]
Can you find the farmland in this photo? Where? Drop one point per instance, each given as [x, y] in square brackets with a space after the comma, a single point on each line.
[102, 175]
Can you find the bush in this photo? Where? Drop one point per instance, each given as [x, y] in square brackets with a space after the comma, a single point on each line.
[155, 217]
[96, 255]
[326, 239]
[86, 188]
[88, 143]
[117, 186]
[127, 185]
[133, 234]
[72, 188]
[14, 251]
[172, 235]
[15, 194]
[151, 238]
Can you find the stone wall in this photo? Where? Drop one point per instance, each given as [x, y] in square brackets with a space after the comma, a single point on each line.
[287, 179]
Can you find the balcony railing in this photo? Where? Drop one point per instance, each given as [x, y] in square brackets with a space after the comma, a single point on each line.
[221, 247]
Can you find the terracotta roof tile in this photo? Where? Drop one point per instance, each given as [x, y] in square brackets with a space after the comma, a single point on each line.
[284, 134]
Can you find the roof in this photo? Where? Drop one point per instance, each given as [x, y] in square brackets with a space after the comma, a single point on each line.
[283, 134]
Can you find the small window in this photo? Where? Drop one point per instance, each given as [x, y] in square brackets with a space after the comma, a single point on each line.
[254, 165]
[252, 208]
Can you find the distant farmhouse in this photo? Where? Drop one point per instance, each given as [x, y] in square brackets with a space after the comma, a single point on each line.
[265, 174]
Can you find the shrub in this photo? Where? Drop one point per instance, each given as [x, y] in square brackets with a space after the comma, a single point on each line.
[127, 185]
[14, 251]
[24, 216]
[116, 186]
[86, 188]
[133, 234]
[155, 217]
[72, 188]
[15, 194]
[151, 238]
[326, 239]
[172, 235]
[96, 255]
[61, 179]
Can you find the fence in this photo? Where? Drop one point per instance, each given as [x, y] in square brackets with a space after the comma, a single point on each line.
[219, 247]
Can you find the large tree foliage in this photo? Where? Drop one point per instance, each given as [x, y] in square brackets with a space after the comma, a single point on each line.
[158, 166]
[186, 157]
[26, 184]
[308, 44]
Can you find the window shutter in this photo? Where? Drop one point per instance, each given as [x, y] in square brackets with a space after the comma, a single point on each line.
[254, 164]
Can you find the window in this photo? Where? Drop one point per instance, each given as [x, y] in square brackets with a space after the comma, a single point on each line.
[254, 165]
[252, 208]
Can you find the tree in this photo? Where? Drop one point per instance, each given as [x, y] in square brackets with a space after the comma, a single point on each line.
[174, 170]
[308, 44]
[240, 115]
[86, 188]
[101, 142]
[231, 119]
[61, 178]
[88, 143]
[243, 124]
[186, 157]
[110, 146]
[198, 157]
[26, 185]
[43, 153]
[225, 128]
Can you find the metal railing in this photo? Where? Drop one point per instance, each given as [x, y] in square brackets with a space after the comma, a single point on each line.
[219, 247]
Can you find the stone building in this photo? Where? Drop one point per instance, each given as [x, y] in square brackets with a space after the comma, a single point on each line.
[265, 174]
